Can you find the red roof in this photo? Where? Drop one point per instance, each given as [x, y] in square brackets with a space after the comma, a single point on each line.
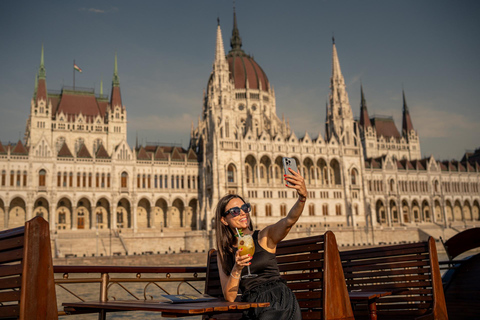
[142, 154]
[19, 148]
[75, 104]
[116, 98]
[65, 151]
[385, 127]
[83, 152]
[2, 149]
[242, 68]
[42, 90]
[159, 155]
[192, 156]
[102, 153]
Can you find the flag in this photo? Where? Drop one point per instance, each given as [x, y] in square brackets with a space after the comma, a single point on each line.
[77, 68]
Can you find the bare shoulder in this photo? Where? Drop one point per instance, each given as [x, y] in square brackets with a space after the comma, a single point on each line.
[265, 240]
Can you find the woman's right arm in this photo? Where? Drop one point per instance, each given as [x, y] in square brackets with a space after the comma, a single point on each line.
[230, 283]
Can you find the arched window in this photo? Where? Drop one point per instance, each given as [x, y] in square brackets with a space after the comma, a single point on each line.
[338, 209]
[42, 177]
[354, 175]
[12, 178]
[24, 178]
[268, 210]
[392, 185]
[283, 210]
[311, 209]
[4, 177]
[124, 179]
[325, 209]
[231, 173]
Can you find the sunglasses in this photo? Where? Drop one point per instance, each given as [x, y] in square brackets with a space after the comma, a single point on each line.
[246, 207]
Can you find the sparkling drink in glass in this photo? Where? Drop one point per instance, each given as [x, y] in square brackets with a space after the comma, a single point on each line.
[247, 246]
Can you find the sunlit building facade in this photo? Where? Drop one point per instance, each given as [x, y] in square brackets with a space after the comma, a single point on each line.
[76, 169]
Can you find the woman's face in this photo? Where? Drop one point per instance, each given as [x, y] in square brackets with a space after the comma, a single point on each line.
[242, 221]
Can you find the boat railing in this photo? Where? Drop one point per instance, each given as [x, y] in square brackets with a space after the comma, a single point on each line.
[125, 282]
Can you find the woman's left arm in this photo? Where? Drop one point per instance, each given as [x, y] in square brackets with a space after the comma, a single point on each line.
[278, 231]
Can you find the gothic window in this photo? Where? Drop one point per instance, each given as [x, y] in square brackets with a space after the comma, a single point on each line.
[70, 179]
[108, 180]
[103, 181]
[90, 180]
[231, 173]
[84, 182]
[124, 179]
[338, 209]
[12, 178]
[354, 175]
[149, 178]
[24, 179]
[97, 180]
[42, 175]
[325, 209]
[59, 143]
[78, 179]
[268, 210]
[65, 175]
[4, 175]
[96, 145]
[138, 181]
[392, 185]
[283, 210]
[311, 209]
[19, 178]
[78, 144]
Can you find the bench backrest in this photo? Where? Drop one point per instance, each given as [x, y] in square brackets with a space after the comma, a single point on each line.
[27, 287]
[312, 269]
[410, 271]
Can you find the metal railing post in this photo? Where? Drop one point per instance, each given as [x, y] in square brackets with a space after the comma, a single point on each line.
[102, 315]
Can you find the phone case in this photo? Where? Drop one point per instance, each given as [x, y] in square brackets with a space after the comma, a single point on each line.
[289, 163]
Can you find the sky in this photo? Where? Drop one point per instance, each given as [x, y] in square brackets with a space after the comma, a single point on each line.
[165, 50]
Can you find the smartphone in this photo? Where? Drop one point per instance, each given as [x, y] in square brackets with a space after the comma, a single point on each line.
[289, 163]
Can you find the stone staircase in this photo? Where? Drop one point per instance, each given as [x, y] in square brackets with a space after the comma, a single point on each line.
[88, 243]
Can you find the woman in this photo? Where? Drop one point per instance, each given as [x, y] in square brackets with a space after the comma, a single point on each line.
[233, 213]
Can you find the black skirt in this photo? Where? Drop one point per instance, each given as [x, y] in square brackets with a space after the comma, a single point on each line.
[283, 304]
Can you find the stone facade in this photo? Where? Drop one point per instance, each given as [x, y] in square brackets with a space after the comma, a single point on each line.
[76, 169]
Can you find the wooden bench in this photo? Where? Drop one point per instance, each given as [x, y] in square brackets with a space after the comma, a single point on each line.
[312, 269]
[409, 273]
[27, 287]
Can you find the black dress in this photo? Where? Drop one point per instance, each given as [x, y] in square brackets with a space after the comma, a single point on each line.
[268, 287]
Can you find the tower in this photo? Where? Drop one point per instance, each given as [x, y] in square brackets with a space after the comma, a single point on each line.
[409, 133]
[340, 123]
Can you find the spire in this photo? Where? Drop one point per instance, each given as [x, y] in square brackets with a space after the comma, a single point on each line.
[101, 87]
[364, 118]
[407, 125]
[235, 40]
[41, 70]
[339, 103]
[115, 98]
[116, 80]
[219, 50]
[40, 83]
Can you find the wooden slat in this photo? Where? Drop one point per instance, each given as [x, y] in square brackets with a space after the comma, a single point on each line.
[5, 234]
[396, 279]
[413, 264]
[10, 270]
[384, 251]
[11, 282]
[7, 296]
[296, 250]
[312, 315]
[11, 243]
[299, 257]
[385, 260]
[10, 311]
[387, 272]
[11, 255]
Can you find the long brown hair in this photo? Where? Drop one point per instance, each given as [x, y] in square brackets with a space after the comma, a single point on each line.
[224, 235]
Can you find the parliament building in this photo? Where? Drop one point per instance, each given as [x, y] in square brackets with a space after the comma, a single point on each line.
[75, 168]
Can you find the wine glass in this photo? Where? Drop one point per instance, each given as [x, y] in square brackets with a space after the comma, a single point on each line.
[246, 246]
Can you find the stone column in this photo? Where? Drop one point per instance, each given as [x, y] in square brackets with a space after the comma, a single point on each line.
[52, 219]
[134, 216]
[389, 213]
[7, 217]
[113, 216]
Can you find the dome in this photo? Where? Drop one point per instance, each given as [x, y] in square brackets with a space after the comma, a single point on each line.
[244, 69]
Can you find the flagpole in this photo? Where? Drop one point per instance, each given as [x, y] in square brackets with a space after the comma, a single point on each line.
[73, 74]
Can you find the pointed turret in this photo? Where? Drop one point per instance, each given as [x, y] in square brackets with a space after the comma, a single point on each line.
[116, 98]
[339, 103]
[219, 50]
[364, 118]
[235, 40]
[41, 84]
[407, 125]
